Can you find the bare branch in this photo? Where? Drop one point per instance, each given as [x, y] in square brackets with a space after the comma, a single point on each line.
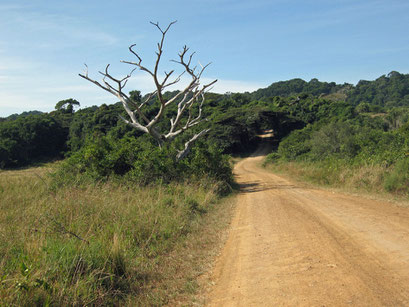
[186, 99]
[134, 124]
[131, 50]
[59, 227]
[183, 153]
[86, 70]
[97, 83]
[150, 96]
[160, 29]
[167, 75]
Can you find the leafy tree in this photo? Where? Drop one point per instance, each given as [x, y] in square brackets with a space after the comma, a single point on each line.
[336, 138]
[389, 91]
[296, 87]
[67, 105]
[30, 139]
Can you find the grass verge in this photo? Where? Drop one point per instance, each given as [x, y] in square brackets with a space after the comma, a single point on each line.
[109, 244]
[369, 179]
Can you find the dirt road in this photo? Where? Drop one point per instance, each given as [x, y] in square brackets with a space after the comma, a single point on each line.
[295, 246]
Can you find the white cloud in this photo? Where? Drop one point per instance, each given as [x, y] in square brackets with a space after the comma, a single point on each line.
[145, 84]
[222, 86]
[141, 82]
[17, 103]
[44, 99]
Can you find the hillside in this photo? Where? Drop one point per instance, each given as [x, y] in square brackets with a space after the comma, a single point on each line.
[235, 119]
[297, 86]
[24, 114]
[389, 90]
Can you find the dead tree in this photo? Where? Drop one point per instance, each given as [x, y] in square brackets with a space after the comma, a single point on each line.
[192, 96]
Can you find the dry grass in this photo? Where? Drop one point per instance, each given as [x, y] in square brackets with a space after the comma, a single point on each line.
[367, 179]
[102, 245]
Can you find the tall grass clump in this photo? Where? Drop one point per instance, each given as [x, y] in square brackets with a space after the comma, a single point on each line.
[397, 180]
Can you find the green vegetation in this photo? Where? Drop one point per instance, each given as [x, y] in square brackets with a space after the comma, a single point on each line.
[103, 244]
[142, 162]
[235, 119]
[386, 91]
[98, 227]
[298, 86]
[349, 144]
[29, 139]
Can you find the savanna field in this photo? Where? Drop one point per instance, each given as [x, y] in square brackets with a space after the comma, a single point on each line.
[108, 243]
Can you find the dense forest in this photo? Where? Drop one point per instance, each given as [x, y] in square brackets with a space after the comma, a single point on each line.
[366, 123]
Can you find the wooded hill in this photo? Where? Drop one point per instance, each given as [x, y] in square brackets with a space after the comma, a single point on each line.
[371, 117]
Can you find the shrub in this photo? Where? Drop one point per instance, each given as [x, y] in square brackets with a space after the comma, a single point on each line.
[271, 158]
[336, 138]
[139, 160]
[295, 145]
[398, 179]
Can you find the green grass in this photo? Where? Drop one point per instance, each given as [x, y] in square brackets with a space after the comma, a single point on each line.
[100, 245]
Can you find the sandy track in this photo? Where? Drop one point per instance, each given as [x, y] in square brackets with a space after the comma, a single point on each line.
[294, 246]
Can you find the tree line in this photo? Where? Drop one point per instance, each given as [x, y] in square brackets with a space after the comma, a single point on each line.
[305, 113]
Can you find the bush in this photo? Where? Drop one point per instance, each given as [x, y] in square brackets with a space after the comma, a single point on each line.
[295, 145]
[271, 158]
[336, 138]
[98, 160]
[139, 160]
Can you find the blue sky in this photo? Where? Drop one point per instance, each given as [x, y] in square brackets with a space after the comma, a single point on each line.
[251, 44]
